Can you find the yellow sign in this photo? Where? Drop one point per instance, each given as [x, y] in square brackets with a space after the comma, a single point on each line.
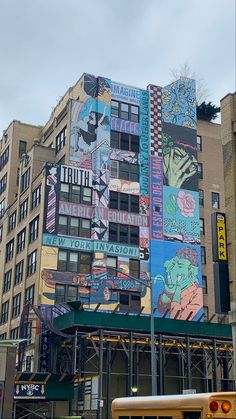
[221, 237]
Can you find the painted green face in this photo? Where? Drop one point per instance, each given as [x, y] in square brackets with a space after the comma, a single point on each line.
[180, 272]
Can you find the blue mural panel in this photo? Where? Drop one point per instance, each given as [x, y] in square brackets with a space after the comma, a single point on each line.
[124, 93]
[179, 103]
[144, 142]
[176, 280]
[180, 164]
[156, 198]
[181, 215]
[121, 125]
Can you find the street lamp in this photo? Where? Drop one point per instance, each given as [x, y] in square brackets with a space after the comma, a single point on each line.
[152, 327]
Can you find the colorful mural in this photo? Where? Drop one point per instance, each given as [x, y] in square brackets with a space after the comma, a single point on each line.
[156, 202]
[144, 143]
[177, 280]
[180, 165]
[51, 198]
[181, 215]
[124, 93]
[179, 103]
[123, 155]
[125, 186]
[128, 127]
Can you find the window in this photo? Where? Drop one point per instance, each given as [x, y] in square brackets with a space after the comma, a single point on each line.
[204, 284]
[36, 197]
[16, 305]
[7, 281]
[14, 333]
[76, 194]
[19, 272]
[202, 226]
[34, 229]
[12, 222]
[134, 268]
[125, 111]
[32, 262]
[4, 312]
[22, 148]
[3, 336]
[200, 170]
[21, 241]
[123, 170]
[124, 141]
[23, 210]
[4, 158]
[124, 202]
[2, 207]
[201, 197]
[3, 183]
[9, 250]
[1, 233]
[28, 331]
[206, 313]
[29, 295]
[28, 361]
[25, 180]
[64, 293]
[203, 255]
[112, 265]
[215, 200]
[80, 227]
[199, 143]
[123, 234]
[74, 261]
[61, 140]
[130, 300]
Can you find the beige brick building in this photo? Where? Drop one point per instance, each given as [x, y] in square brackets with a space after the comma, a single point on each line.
[228, 115]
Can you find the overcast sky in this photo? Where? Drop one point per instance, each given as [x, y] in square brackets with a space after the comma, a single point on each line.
[45, 46]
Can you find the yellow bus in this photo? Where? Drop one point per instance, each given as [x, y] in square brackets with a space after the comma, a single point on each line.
[181, 406]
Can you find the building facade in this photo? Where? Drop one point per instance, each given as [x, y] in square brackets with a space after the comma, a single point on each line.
[113, 195]
[228, 113]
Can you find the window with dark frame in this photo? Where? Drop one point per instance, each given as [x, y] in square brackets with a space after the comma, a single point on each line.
[22, 148]
[34, 229]
[130, 301]
[7, 281]
[61, 140]
[16, 303]
[4, 158]
[204, 284]
[124, 170]
[122, 141]
[20, 244]
[29, 295]
[25, 180]
[12, 222]
[14, 333]
[203, 255]
[200, 170]
[123, 233]
[36, 197]
[19, 272]
[2, 207]
[9, 250]
[199, 143]
[215, 200]
[74, 226]
[125, 111]
[3, 184]
[76, 194]
[202, 226]
[206, 313]
[3, 336]
[28, 326]
[32, 263]
[1, 233]
[65, 292]
[201, 197]
[4, 312]
[124, 202]
[134, 268]
[23, 210]
[69, 261]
